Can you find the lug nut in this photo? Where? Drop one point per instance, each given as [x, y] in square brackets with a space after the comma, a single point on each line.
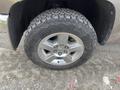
[65, 51]
[60, 53]
[55, 51]
[66, 47]
[56, 46]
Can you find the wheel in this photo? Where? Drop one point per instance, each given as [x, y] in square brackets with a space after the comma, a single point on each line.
[60, 39]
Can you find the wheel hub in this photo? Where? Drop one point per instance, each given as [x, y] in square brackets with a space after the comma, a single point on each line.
[61, 50]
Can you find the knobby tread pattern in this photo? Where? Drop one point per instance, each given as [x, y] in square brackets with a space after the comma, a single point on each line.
[58, 14]
[64, 15]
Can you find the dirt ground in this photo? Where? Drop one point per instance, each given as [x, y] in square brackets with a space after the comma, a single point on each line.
[101, 72]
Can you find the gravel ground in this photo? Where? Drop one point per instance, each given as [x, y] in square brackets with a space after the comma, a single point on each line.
[101, 72]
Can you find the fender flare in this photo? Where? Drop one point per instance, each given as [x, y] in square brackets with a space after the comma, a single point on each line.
[106, 20]
[19, 19]
[15, 24]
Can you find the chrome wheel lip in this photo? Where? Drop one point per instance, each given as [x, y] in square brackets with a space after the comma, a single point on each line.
[60, 46]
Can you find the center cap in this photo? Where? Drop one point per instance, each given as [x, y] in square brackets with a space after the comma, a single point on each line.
[61, 50]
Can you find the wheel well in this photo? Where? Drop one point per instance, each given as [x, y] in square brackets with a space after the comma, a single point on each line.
[100, 13]
[88, 8]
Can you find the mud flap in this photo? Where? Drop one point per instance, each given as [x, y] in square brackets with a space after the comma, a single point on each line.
[15, 25]
[106, 20]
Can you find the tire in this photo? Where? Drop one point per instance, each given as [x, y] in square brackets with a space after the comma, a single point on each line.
[59, 21]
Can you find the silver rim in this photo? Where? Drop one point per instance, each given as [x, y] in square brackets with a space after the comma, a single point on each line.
[60, 49]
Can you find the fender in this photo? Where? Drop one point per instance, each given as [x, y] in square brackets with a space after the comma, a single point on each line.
[23, 12]
[5, 5]
[20, 17]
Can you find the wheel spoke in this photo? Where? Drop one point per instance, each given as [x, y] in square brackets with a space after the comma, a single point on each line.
[68, 59]
[75, 47]
[63, 39]
[50, 58]
[46, 45]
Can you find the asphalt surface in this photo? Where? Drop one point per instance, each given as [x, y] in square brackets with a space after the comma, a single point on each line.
[101, 72]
